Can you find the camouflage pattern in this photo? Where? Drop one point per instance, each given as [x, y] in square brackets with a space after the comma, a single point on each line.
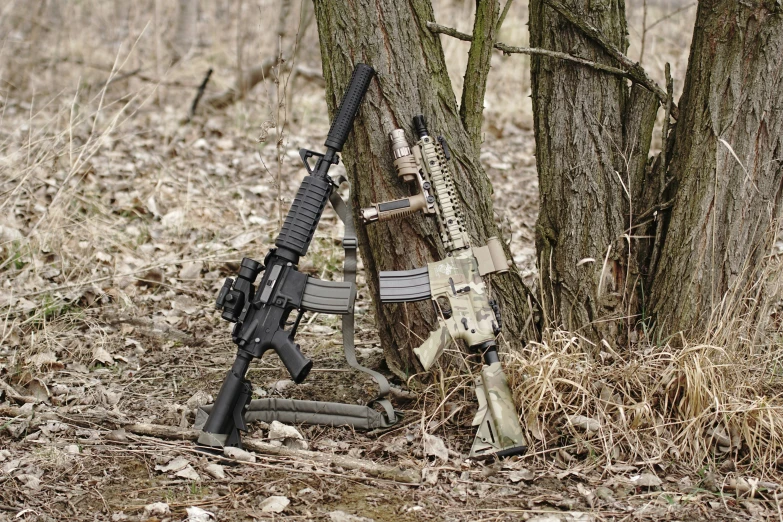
[458, 279]
[472, 318]
[431, 156]
[496, 418]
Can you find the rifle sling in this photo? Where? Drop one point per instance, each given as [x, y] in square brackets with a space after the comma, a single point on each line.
[350, 244]
[293, 411]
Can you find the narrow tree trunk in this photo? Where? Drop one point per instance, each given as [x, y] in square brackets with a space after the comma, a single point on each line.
[412, 79]
[474, 85]
[592, 141]
[185, 31]
[727, 163]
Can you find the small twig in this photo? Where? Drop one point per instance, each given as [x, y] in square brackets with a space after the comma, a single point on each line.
[670, 15]
[151, 328]
[508, 49]
[502, 16]
[199, 94]
[662, 175]
[655, 208]
[644, 31]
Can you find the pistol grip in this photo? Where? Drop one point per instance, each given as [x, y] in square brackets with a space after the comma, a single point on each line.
[295, 362]
[433, 347]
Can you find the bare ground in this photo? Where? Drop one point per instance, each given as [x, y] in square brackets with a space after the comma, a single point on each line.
[118, 224]
[154, 224]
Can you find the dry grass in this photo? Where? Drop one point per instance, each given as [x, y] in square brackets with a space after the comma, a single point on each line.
[714, 403]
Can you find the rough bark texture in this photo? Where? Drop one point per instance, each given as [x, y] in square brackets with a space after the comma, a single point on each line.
[592, 141]
[724, 204]
[412, 79]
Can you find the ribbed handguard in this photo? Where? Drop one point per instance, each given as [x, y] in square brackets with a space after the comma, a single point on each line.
[343, 121]
[304, 214]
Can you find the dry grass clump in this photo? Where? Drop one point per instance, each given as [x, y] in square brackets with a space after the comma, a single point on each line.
[717, 401]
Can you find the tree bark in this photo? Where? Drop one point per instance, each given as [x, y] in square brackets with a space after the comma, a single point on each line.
[592, 141]
[727, 164]
[412, 79]
[474, 86]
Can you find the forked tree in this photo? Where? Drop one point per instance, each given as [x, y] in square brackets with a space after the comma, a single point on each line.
[412, 79]
[621, 238]
[678, 239]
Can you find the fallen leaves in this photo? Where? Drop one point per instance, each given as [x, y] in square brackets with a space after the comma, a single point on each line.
[181, 468]
[435, 447]
[274, 504]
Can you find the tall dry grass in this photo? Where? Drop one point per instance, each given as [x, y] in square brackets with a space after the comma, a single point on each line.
[704, 404]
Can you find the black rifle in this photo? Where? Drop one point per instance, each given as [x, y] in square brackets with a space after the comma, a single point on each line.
[261, 315]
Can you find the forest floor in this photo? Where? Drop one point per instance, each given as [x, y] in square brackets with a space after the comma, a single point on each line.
[111, 321]
[119, 223]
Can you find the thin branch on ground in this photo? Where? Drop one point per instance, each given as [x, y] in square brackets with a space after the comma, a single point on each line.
[406, 476]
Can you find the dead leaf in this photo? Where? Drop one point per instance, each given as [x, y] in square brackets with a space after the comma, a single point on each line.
[283, 435]
[434, 446]
[43, 359]
[196, 514]
[243, 239]
[215, 471]
[189, 473]
[100, 354]
[586, 423]
[646, 480]
[239, 454]
[342, 516]
[274, 504]
[38, 389]
[156, 509]
[173, 465]
[522, 474]
[191, 271]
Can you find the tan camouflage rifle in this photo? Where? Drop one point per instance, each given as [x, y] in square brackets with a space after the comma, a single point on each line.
[454, 284]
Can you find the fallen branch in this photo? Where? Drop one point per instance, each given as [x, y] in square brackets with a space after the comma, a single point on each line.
[407, 476]
[636, 71]
[531, 51]
[199, 94]
[152, 328]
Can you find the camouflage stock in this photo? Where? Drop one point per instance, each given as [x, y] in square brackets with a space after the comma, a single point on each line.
[496, 418]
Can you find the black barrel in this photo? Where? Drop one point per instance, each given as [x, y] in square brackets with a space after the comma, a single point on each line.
[343, 121]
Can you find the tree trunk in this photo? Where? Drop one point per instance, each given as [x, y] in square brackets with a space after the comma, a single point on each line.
[592, 141]
[727, 163]
[185, 31]
[412, 79]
